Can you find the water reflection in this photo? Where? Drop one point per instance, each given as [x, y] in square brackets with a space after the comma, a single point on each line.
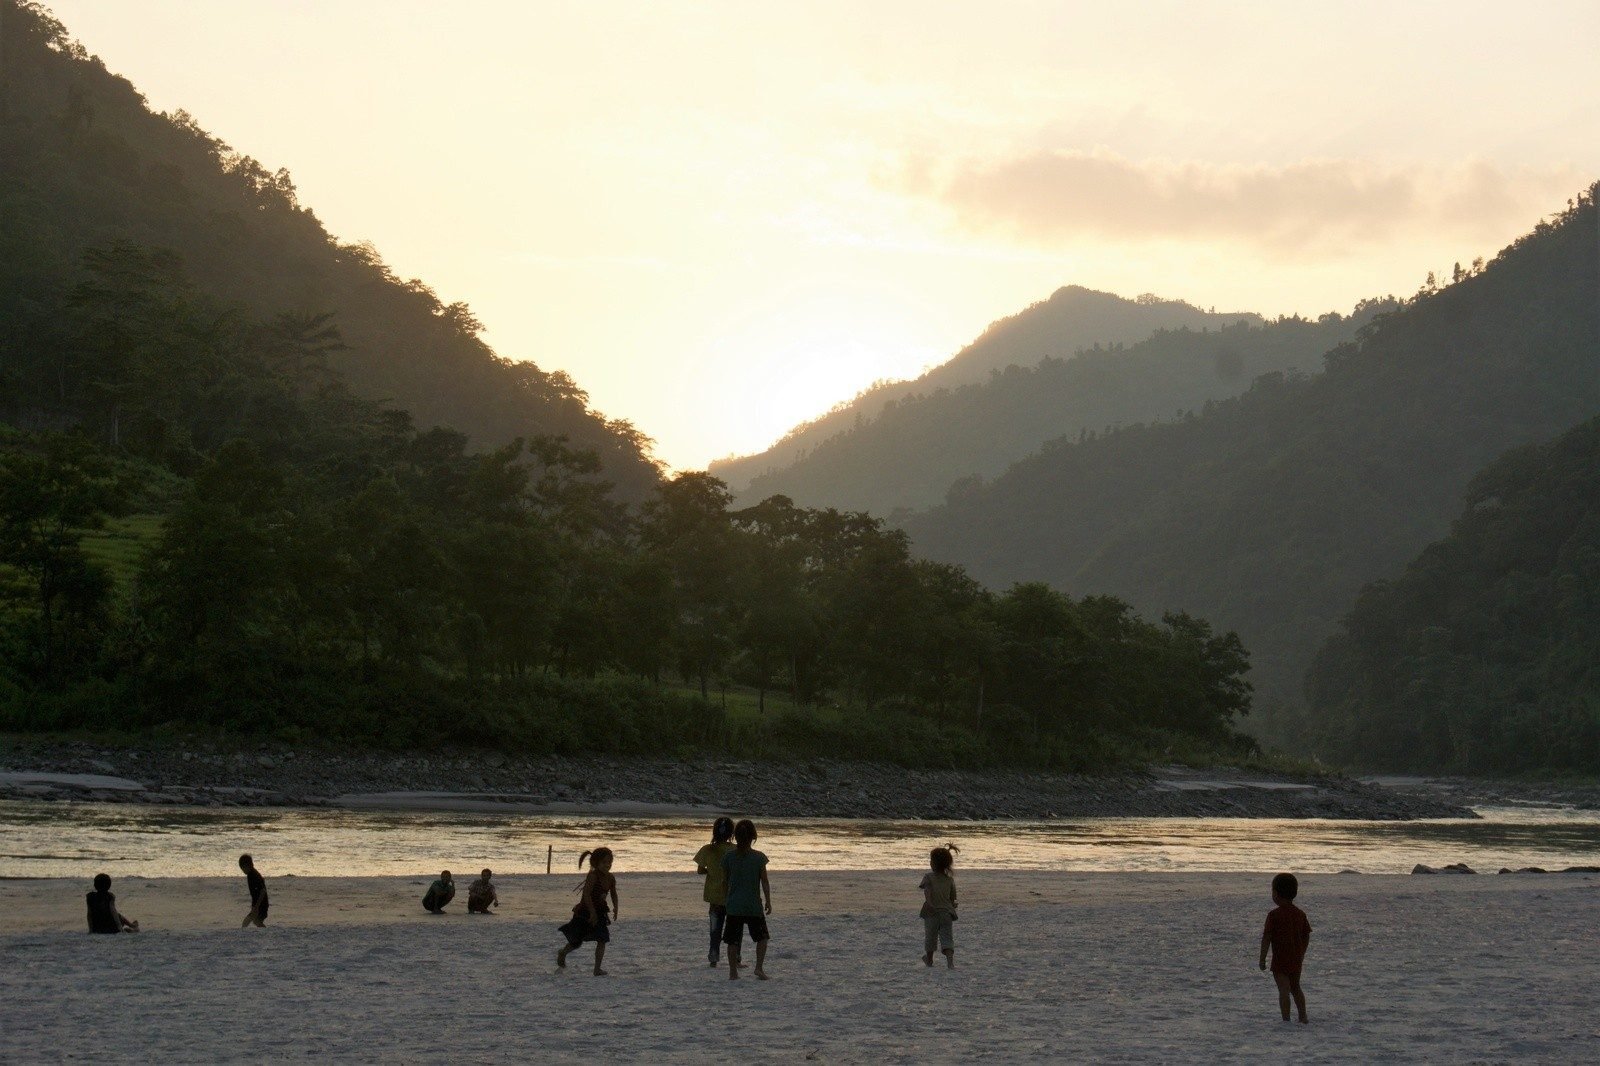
[59, 840]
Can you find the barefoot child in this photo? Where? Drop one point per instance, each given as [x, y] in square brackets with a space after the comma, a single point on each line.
[439, 893]
[708, 864]
[939, 906]
[749, 898]
[589, 918]
[258, 893]
[103, 914]
[481, 894]
[1288, 933]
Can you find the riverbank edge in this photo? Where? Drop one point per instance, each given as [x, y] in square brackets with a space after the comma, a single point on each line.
[205, 775]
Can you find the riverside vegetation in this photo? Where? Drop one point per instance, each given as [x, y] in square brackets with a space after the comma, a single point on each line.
[208, 523]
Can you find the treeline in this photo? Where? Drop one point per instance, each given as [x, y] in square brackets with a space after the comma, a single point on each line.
[85, 163]
[1268, 513]
[319, 568]
[1485, 655]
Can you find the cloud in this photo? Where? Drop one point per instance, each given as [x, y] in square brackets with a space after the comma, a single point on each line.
[1312, 207]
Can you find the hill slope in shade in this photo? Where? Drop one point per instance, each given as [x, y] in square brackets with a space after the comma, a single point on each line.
[84, 162]
[1269, 513]
[1073, 318]
[918, 447]
[1485, 655]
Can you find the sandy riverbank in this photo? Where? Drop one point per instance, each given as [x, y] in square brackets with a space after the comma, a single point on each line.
[1104, 967]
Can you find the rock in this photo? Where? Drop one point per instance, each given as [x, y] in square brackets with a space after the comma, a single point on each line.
[1453, 868]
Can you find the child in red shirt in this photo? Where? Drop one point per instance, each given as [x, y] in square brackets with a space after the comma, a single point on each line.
[1288, 933]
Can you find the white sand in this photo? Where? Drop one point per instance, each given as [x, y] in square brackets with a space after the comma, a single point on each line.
[1101, 967]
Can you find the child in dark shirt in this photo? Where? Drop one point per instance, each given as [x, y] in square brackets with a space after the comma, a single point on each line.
[258, 893]
[103, 914]
[1288, 934]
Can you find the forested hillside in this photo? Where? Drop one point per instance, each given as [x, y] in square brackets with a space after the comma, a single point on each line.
[1073, 318]
[84, 162]
[1269, 512]
[919, 446]
[1485, 655]
[203, 527]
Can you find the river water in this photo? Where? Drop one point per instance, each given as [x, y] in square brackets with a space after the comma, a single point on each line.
[79, 840]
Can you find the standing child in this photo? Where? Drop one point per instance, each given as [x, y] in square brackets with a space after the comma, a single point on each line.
[258, 893]
[103, 914]
[481, 894]
[939, 906]
[1288, 933]
[708, 863]
[749, 898]
[589, 918]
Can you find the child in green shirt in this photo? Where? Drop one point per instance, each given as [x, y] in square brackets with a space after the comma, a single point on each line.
[708, 863]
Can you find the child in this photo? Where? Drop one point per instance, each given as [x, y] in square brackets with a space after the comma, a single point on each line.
[939, 906]
[103, 914]
[481, 894]
[746, 871]
[708, 863]
[1288, 933]
[589, 920]
[439, 893]
[258, 893]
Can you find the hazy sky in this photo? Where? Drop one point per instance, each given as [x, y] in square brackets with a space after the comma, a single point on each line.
[723, 218]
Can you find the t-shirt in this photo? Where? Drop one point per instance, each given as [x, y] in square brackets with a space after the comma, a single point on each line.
[1288, 931]
[709, 858]
[941, 894]
[103, 913]
[257, 883]
[442, 891]
[743, 870]
[479, 893]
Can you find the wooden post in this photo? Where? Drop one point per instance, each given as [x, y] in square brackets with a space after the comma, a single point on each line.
[549, 854]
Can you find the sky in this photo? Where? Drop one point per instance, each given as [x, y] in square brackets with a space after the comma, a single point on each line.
[723, 218]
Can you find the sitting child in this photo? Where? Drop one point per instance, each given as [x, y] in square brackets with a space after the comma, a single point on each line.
[103, 914]
[481, 895]
[439, 893]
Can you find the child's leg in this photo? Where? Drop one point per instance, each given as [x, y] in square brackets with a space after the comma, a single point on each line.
[599, 957]
[719, 916]
[1299, 998]
[761, 958]
[947, 941]
[930, 938]
[733, 962]
[1282, 981]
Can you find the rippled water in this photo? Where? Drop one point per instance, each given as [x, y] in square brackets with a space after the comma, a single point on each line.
[75, 840]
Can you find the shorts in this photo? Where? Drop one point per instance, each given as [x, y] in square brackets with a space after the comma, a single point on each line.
[937, 932]
[581, 930]
[260, 908]
[733, 931]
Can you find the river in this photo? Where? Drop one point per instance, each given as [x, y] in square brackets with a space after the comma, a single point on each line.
[78, 840]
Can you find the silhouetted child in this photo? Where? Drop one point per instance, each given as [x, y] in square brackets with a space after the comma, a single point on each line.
[481, 894]
[439, 893]
[708, 863]
[749, 898]
[103, 914]
[589, 918]
[1288, 934]
[258, 893]
[939, 906]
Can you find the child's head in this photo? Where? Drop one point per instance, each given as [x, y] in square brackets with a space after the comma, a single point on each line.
[941, 859]
[598, 859]
[444, 875]
[102, 882]
[1285, 887]
[246, 862]
[721, 830]
[744, 834]
[487, 873]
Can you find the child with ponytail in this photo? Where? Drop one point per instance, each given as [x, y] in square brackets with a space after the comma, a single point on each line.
[590, 919]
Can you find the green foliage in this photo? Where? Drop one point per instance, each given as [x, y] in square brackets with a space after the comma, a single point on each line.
[1485, 655]
[1267, 513]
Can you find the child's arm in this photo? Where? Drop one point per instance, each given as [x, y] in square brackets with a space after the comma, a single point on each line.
[588, 897]
[1265, 940]
[952, 894]
[766, 889]
[616, 912]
